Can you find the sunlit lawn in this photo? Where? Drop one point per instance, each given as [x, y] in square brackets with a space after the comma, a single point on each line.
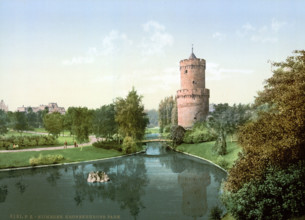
[205, 150]
[21, 159]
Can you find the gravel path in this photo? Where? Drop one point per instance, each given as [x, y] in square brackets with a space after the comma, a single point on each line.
[91, 138]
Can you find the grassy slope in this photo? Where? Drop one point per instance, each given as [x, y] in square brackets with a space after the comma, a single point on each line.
[21, 159]
[205, 150]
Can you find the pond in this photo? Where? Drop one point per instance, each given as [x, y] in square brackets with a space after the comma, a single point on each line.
[158, 184]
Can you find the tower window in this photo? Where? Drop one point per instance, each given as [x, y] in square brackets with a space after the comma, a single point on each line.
[194, 82]
[185, 71]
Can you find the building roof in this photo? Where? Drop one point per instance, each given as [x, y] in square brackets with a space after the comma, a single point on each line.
[192, 55]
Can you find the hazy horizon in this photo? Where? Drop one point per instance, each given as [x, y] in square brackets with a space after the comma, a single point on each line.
[87, 53]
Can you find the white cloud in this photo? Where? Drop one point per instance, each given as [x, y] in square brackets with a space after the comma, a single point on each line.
[219, 36]
[215, 72]
[156, 39]
[112, 43]
[261, 34]
[277, 25]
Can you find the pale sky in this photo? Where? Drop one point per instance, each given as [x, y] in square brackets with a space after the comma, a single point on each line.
[88, 52]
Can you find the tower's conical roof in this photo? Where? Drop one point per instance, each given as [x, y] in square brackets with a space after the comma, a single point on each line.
[192, 55]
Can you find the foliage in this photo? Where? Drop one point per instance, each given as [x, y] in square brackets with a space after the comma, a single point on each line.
[165, 112]
[177, 134]
[215, 213]
[108, 145]
[27, 141]
[103, 122]
[129, 145]
[3, 122]
[276, 136]
[199, 133]
[280, 194]
[20, 121]
[32, 118]
[78, 121]
[221, 161]
[53, 123]
[46, 159]
[153, 118]
[225, 120]
[130, 115]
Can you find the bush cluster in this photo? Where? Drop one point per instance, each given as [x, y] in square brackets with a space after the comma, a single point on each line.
[199, 133]
[47, 159]
[108, 145]
[279, 195]
[129, 145]
[27, 141]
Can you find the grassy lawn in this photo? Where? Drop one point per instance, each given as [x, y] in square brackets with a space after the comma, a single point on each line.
[21, 159]
[152, 130]
[205, 150]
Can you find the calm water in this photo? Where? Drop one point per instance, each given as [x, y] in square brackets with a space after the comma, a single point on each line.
[158, 184]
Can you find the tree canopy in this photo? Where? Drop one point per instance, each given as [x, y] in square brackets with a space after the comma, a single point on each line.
[130, 115]
[165, 112]
[276, 136]
[104, 124]
[53, 123]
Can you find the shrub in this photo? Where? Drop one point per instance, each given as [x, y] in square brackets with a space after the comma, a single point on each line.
[222, 162]
[199, 133]
[129, 145]
[108, 145]
[215, 213]
[177, 134]
[47, 159]
[279, 195]
[27, 141]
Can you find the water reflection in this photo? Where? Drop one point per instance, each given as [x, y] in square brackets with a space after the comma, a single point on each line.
[158, 185]
[194, 185]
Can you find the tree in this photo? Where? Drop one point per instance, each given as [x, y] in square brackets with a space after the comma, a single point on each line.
[130, 116]
[3, 122]
[104, 124]
[280, 194]
[21, 122]
[165, 112]
[276, 137]
[225, 120]
[80, 122]
[32, 118]
[53, 123]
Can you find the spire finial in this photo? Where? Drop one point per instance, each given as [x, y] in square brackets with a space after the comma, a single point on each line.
[192, 48]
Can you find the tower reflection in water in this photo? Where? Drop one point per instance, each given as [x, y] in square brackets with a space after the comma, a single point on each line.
[194, 196]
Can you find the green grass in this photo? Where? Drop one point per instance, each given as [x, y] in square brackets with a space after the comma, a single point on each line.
[21, 159]
[205, 150]
[152, 130]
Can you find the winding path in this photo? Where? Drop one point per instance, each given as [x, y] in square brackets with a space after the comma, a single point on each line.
[92, 139]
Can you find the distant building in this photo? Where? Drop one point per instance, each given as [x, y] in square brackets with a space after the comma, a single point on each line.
[3, 106]
[52, 107]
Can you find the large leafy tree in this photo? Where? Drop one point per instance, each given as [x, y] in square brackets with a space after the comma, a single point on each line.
[104, 124]
[225, 120]
[79, 121]
[53, 123]
[276, 137]
[153, 118]
[130, 115]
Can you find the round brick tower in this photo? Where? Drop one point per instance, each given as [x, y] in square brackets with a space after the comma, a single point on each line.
[193, 97]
